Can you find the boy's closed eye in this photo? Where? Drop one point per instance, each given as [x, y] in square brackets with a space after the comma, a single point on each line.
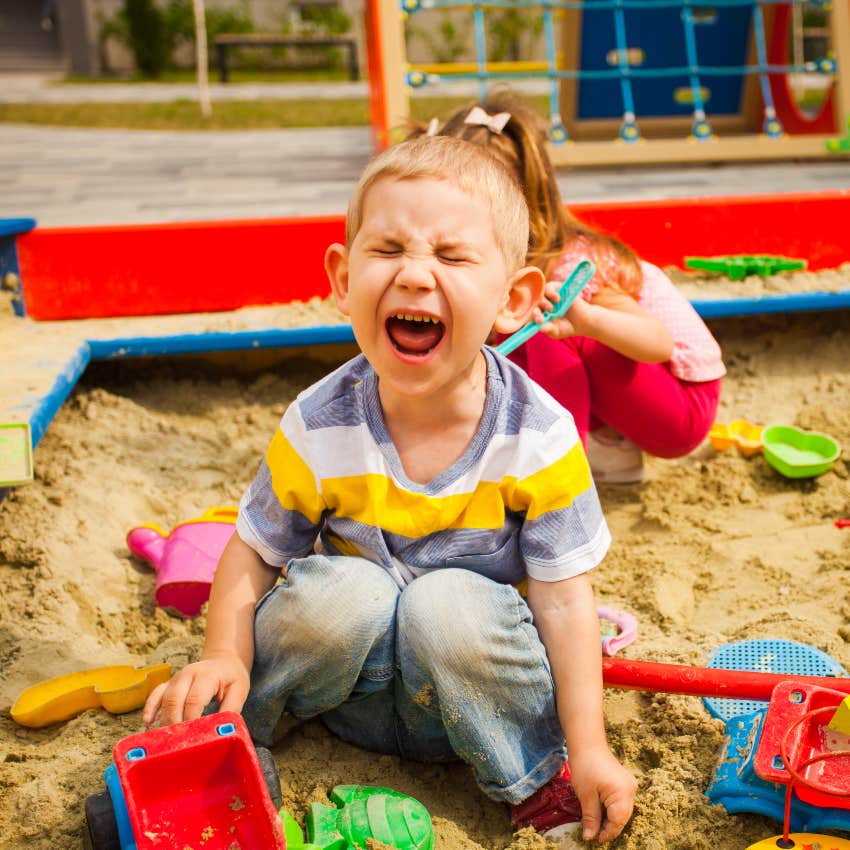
[454, 253]
[387, 250]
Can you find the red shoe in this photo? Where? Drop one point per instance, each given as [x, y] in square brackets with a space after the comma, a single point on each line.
[553, 805]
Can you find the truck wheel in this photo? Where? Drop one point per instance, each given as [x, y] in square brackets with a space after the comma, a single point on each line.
[271, 776]
[101, 832]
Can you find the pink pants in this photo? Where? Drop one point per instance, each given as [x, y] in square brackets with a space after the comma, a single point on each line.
[644, 402]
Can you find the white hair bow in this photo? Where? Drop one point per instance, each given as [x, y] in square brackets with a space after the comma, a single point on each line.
[480, 117]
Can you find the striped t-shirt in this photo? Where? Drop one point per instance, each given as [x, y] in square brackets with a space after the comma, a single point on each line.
[519, 501]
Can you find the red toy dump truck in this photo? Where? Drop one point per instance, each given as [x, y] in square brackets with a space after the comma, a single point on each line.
[198, 785]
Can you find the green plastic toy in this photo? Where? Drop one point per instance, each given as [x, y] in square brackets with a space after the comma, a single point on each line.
[738, 266]
[797, 453]
[362, 812]
[842, 143]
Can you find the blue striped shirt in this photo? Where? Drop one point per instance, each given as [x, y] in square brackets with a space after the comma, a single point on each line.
[519, 501]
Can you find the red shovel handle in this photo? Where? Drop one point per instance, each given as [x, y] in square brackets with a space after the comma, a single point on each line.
[704, 681]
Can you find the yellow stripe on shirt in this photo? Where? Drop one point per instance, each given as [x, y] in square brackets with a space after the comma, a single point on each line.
[293, 481]
[378, 501]
[553, 487]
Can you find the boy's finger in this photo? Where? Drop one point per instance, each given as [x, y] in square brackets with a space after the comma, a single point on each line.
[198, 697]
[234, 697]
[152, 703]
[591, 816]
[616, 817]
[174, 699]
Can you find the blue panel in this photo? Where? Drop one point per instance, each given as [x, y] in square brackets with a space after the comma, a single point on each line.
[9, 263]
[48, 406]
[13, 226]
[659, 33]
[119, 806]
[800, 303]
[104, 349]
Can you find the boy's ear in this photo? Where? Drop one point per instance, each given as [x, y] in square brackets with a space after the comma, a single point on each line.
[524, 294]
[336, 268]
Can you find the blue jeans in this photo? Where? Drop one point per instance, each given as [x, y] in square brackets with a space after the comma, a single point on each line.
[449, 667]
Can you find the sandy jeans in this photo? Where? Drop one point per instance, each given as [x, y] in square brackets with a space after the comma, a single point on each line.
[449, 667]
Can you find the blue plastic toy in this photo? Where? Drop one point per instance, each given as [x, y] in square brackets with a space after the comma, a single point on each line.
[568, 293]
[738, 789]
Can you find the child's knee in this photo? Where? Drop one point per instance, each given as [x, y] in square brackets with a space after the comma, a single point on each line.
[450, 613]
[323, 601]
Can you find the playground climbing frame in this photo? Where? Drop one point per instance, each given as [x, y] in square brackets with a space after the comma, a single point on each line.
[639, 80]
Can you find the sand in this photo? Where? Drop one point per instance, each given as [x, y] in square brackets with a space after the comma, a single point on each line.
[708, 549]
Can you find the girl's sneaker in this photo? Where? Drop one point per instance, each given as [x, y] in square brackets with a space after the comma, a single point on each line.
[553, 810]
[613, 459]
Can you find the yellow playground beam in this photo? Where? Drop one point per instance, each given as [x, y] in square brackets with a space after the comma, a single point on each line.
[449, 68]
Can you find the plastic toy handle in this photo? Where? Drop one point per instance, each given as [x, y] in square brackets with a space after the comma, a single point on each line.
[625, 622]
[705, 681]
[220, 513]
[568, 293]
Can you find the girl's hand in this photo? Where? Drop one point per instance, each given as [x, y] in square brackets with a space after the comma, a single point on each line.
[549, 300]
[575, 322]
[606, 791]
[188, 693]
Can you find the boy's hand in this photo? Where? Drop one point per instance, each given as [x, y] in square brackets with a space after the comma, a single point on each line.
[606, 791]
[188, 693]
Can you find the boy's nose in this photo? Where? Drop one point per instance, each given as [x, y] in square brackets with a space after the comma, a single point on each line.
[415, 274]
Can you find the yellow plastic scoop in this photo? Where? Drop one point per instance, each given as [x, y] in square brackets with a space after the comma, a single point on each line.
[118, 689]
[801, 841]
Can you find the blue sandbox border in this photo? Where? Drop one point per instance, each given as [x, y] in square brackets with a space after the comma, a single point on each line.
[793, 303]
[203, 343]
[48, 405]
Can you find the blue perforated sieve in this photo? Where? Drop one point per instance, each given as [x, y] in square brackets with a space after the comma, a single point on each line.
[766, 656]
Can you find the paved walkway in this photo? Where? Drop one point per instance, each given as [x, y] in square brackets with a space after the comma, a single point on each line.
[66, 176]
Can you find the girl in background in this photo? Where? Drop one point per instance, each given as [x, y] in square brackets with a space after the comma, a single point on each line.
[631, 360]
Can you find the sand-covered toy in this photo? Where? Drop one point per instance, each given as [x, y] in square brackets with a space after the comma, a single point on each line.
[745, 436]
[118, 689]
[184, 559]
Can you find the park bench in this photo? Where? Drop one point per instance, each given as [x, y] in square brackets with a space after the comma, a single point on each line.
[225, 41]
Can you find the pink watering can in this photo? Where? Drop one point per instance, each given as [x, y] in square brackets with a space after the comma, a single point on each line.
[184, 560]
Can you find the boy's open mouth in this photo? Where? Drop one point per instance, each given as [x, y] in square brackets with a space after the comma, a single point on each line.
[414, 334]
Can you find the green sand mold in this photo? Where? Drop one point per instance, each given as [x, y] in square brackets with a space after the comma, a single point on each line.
[362, 812]
[739, 266]
[796, 453]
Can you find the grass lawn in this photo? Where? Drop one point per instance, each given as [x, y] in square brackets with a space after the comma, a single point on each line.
[237, 75]
[226, 115]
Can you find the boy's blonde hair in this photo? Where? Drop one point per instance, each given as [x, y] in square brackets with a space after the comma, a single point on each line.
[469, 167]
[521, 147]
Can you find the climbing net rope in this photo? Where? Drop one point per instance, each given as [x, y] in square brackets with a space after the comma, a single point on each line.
[623, 71]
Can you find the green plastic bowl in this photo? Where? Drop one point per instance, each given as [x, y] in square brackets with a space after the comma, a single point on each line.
[795, 453]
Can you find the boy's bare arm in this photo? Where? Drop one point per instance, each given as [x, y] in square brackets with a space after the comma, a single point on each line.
[566, 620]
[223, 673]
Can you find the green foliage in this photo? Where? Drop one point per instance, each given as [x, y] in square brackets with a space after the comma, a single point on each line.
[505, 33]
[324, 19]
[450, 42]
[152, 33]
[148, 38]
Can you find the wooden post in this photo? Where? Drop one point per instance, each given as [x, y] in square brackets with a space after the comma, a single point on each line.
[201, 57]
[389, 102]
[839, 25]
